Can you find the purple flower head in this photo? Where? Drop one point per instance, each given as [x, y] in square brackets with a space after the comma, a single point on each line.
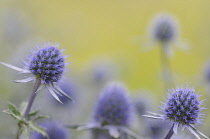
[45, 66]
[184, 109]
[183, 106]
[114, 107]
[164, 29]
[48, 64]
[54, 131]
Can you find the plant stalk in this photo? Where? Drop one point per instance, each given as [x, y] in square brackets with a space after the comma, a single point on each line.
[166, 68]
[170, 133]
[29, 105]
[32, 97]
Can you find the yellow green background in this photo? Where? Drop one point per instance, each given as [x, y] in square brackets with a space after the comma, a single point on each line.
[112, 30]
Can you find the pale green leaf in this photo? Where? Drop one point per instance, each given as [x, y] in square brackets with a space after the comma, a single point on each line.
[38, 129]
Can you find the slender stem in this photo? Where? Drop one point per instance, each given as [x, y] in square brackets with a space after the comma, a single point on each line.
[32, 97]
[166, 67]
[18, 132]
[170, 133]
[29, 105]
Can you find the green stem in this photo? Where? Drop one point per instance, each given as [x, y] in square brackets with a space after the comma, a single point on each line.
[18, 132]
[29, 105]
[166, 67]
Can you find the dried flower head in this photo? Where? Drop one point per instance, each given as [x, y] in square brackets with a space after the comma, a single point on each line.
[164, 29]
[54, 131]
[113, 106]
[183, 108]
[47, 66]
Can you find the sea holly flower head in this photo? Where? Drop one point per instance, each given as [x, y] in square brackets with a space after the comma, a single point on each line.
[112, 114]
[54, 130]
[47, 65]
[114, 107]
[183, 108]
[164, 29]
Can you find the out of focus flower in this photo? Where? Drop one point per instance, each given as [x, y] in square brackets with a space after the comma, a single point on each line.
[164, 29]
[183, 108]
[112, 115]
[54, 130]
[47, 66]
[114, 106]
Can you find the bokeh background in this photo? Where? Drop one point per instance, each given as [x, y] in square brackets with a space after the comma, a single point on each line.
[101, 35]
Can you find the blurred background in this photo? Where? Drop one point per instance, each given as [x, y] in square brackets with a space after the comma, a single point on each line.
[106, 41]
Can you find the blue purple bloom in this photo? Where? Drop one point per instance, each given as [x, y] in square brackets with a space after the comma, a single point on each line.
[164, 29]
[113, 106]
[183, 108]
[112, 115]
[54, 131]
[46, 65]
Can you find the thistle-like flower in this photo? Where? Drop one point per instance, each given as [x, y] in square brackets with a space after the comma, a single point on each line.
[47, 66]
[112, 115]
[183, 108]
[114, 107]
[54, 130]
[164, 29]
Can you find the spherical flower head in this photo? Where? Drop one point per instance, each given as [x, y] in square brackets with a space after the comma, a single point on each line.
[114, 107]
[183, 106]
[164, 29]
[54, 131]
[47, 64]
